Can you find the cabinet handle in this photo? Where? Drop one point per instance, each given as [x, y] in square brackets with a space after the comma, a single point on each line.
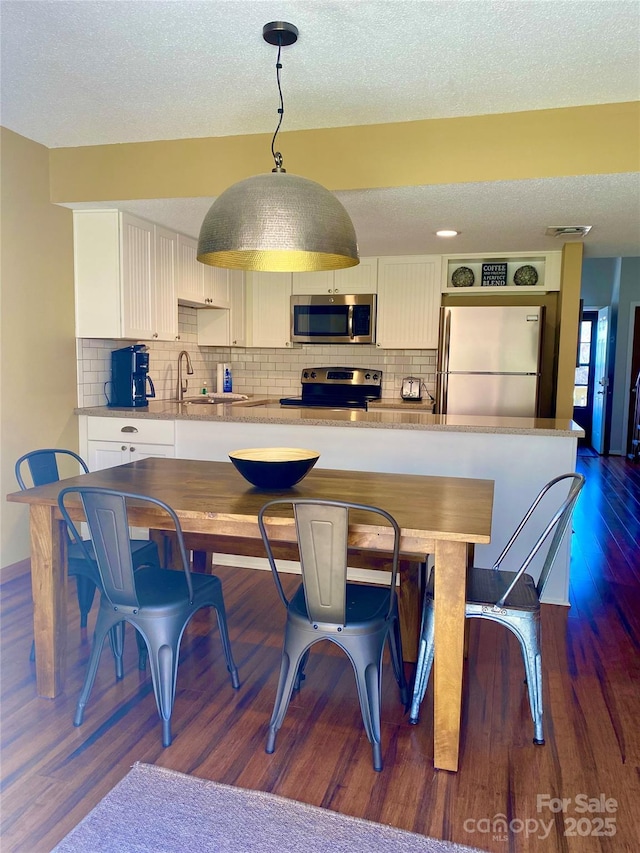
[177, 337]
[129, 429]
[132, 449]
[155, 334]
[124, 447]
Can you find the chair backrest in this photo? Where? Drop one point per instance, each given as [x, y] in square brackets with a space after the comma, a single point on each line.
[106, 516]
[322, 529]
[43, 466]
[558, 523]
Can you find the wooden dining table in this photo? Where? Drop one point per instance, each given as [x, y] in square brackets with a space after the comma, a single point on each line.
[442, 516]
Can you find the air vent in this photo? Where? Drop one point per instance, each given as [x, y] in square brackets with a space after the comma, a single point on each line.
[568, 232]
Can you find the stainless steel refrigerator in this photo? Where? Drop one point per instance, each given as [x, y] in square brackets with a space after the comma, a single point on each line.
[489, 360]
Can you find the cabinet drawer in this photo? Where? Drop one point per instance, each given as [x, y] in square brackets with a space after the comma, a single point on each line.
[138, 429]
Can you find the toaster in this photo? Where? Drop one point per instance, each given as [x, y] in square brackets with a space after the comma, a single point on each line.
[411, 386]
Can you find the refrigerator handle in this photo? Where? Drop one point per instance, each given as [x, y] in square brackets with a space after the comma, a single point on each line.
[442, 370]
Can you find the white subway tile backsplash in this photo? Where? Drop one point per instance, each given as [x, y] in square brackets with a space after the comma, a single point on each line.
[264, 372]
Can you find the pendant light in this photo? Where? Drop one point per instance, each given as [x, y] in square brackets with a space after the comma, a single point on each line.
[275, 221]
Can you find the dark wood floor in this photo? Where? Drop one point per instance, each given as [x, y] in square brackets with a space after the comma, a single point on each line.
[53, 773]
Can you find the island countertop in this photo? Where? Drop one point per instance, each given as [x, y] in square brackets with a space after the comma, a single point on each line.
[384, 415]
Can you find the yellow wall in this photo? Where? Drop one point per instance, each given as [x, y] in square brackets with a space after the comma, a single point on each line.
[569, 321]
[37, 344]
[602, 139]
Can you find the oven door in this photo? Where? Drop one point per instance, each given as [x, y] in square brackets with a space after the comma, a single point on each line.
[336, 319]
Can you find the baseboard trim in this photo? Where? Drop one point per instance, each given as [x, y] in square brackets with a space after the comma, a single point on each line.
[15, 570]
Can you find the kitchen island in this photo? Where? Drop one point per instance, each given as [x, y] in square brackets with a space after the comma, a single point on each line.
[519, 454]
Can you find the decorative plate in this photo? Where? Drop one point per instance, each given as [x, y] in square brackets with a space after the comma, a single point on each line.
[526, 275]
[463, 277]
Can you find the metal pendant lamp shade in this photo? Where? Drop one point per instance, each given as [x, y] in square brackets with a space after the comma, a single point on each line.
[278, 222]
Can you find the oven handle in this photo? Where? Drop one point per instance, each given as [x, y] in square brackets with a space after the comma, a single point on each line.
[350, 322]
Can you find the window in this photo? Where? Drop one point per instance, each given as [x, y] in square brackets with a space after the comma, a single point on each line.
[581, 387]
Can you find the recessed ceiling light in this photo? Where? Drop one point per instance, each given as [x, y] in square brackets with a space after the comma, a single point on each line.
[446, 232]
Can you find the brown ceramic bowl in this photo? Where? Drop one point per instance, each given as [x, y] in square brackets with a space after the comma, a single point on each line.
[274, 467]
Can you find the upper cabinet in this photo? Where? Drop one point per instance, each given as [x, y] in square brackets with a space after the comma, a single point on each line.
[124, 273]
[408, 302]
[268, 309]
[200, 285]
[359, 279]
[514, 272]
[223, 327]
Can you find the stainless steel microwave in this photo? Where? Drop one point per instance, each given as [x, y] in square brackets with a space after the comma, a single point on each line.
[334, 318]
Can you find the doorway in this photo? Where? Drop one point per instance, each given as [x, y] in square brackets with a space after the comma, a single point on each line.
[584, 388]
[633, 423]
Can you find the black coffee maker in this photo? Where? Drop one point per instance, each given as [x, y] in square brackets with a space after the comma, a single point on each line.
[130, 377]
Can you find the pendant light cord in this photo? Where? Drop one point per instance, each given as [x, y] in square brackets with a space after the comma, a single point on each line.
[277, 156]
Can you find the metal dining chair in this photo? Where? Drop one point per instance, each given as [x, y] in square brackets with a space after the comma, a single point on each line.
[510, 598]
[159, 603]
[359, 618]
[43, 468]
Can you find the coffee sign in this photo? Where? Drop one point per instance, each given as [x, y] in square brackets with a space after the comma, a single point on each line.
[494, 275]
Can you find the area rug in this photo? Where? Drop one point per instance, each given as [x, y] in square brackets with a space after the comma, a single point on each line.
[154, 810]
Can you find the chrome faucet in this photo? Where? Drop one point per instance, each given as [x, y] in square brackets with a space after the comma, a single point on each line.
[182, 384]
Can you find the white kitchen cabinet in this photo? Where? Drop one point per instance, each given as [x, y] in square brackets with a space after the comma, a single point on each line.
[199, 285]
[238, 309]
[539, 272]
[408, 302]
[164, 302]
[216, 286]
[114, 441]
[268, 304]
[219, 327]
[359, 279]
[117, 291]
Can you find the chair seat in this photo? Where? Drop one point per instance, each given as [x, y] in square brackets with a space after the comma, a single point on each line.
[364, 605]
[163, 589]
[485, 586]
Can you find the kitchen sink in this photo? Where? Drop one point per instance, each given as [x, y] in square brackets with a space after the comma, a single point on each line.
[195, 401]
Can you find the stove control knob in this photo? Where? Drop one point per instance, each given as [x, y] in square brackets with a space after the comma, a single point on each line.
[313, 374]
[305, 374]
[367, 376]
[375, 377]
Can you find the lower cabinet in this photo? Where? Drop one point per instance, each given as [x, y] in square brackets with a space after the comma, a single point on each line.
[114, 441]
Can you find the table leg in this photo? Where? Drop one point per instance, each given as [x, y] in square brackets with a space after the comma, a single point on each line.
[450, 588]
[410, 594]
[49, 590]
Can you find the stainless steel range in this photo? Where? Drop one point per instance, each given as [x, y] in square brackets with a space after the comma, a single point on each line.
[337, 388]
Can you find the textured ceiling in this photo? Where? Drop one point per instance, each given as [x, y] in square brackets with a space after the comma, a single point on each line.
[92, 72]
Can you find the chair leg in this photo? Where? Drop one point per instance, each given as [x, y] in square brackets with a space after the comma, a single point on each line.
[99, 635]
[294, 649]
[530, 648]
[367, 663]
[425, 661]
[86, 590]
[116, 641]
[226, 644]
[163, 662]
[300, 676]
[142, 651]
[395, 647]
